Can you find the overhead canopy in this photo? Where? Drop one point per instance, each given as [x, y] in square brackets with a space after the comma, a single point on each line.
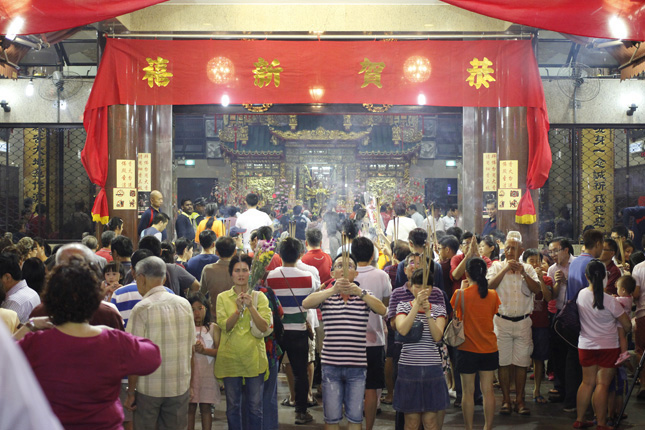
[439, 73]
[615, 19]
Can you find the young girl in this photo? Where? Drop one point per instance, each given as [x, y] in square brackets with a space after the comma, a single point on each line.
[113, 274]
[625, 286]
[204, 389]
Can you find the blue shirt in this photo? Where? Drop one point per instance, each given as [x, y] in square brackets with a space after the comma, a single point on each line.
[577, 278]
[125, 298]
[195, 265]
[146, 221]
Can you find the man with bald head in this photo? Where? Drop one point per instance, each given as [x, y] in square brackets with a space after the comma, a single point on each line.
[156, 200]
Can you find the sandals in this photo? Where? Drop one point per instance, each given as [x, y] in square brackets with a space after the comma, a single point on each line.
[287, 402]
[521, 409]
[385, 401]
[506, 409]
[540, 400]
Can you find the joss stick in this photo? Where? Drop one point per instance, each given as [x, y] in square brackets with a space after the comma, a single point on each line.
[395, 227]
[434, 232]
[622, 255]
[292, 229]
[345, 255]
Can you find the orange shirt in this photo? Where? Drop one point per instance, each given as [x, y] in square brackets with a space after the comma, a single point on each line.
[217, 227]
[478, 319]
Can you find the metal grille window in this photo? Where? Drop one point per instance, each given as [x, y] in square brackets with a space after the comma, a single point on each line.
[40, 168]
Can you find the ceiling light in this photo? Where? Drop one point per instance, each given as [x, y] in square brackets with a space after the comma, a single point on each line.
[225, 100]
[421, 100]
[15, 27]
[29, 90]
[618, 28]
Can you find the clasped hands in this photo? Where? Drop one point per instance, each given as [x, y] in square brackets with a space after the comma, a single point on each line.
[243, 299]
[343, 286]
[421, 301]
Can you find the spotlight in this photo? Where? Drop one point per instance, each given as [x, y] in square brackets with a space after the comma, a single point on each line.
[632, 109]
[225, 100]
[5, 106]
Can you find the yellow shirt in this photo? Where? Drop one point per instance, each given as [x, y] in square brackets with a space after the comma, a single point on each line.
[240, 353]
[217, 227]
[10, 319]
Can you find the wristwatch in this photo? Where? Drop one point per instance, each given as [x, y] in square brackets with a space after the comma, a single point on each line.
[363, 294]
[31, 325]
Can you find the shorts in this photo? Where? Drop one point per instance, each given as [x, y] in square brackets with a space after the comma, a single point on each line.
[123, 394]
[599, 357]
[375, 368]
[472, 362]
[343, 386]
[514, 341]
[639, 335]
[541, 343]
[420, 389]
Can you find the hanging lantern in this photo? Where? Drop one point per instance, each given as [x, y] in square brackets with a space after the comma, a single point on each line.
[220, 70]
[417, 69]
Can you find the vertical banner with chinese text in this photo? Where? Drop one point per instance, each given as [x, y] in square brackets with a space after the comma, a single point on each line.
[597, 178]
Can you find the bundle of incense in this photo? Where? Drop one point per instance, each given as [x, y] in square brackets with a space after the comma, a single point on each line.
[227, 227]
[425, 262]
[395, 227]
[622, 251]
[434, 231]
[345, 255]
[292, 229]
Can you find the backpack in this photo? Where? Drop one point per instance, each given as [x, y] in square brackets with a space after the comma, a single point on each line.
[301, 226]
[567, 323]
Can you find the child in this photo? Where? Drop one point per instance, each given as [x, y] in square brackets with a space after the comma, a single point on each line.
[204, 389]
[113, 274]
[540, 319]
[625, 286]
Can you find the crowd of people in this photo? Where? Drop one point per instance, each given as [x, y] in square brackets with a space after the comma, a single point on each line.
[357, 303]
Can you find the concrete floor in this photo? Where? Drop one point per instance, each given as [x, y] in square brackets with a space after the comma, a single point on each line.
[543, 417]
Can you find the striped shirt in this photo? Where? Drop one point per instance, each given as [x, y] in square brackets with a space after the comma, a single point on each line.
[124, 298]
[21, 299]
[167, 320]
[424, 352]
[345, 326]
[302, 284]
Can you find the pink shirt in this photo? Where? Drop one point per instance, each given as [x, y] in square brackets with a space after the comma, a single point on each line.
[81, 377]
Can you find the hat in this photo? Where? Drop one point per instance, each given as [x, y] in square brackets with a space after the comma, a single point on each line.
[199, 201]
[237, 230]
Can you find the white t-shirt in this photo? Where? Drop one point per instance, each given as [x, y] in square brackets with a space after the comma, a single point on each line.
[598, 327]
[639, 275]
[378, 283]
[251, 219]
[404, 225]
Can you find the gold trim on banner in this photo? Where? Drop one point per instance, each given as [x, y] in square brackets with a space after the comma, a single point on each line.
[320, 134]
[376, 109]
[597, 178]
[257, 109]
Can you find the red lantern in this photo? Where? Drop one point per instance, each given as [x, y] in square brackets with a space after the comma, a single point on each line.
[417, 69]
[220, 70]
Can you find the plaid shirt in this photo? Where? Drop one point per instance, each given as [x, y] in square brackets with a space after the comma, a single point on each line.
[167, 320]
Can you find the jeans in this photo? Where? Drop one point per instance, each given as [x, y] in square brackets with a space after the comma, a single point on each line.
[270, 399]
[247, 391]
[343, 386]
[296, 344]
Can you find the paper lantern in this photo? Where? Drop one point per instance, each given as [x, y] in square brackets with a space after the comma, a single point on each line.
[220, 70]
[417, 69]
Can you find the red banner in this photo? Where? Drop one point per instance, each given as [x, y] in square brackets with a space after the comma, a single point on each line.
[616, 19]
[437, 73]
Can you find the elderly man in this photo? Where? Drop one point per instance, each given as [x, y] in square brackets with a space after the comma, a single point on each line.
[156, 200]
[160, 400]
[516, 283]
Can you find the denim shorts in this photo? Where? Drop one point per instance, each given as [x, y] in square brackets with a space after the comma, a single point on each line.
[343, 386]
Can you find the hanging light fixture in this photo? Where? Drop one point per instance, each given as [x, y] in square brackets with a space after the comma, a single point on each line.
[29, 90]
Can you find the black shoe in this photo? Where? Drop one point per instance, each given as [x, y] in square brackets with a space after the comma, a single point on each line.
[303, 418]
[457, 403]
[479, 401]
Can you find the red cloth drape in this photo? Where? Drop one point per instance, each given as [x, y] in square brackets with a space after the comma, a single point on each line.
[616, 19]
[333, 67]
[42, 16]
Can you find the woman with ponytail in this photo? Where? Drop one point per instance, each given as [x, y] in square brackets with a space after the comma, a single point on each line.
[598, 346]
[478, 354]
[210, 222]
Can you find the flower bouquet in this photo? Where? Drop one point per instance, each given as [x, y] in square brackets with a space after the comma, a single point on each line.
[263, 255]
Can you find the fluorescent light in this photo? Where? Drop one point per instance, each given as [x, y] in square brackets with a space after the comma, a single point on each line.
[29, 91]
[618, 27]
[451, 163]
[225, 100]
[189, 162]
[421, 100]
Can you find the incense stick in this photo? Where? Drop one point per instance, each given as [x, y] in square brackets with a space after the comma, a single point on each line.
[622, 251]
[345, 255]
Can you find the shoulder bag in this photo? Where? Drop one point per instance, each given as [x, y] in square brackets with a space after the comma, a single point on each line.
[255, 331]
[454, 333]
[567, 323]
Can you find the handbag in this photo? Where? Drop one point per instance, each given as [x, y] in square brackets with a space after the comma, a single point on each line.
[414, 335]
[309, 329]
[567, 323]
[255, 331]
[454, 333]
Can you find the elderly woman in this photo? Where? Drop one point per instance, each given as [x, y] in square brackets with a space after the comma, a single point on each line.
[80, 366]
[241, 359]
[598, 346]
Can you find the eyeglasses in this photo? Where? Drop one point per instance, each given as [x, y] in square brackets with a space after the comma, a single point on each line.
[415, 254]
[349, 266]
[554, 251]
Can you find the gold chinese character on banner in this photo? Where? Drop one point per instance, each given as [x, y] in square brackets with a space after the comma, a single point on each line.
[372, 73]
[480, 73]
[264, 72]
[156, 72]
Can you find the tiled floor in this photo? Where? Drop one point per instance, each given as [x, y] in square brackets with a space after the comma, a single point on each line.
[543, 417]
